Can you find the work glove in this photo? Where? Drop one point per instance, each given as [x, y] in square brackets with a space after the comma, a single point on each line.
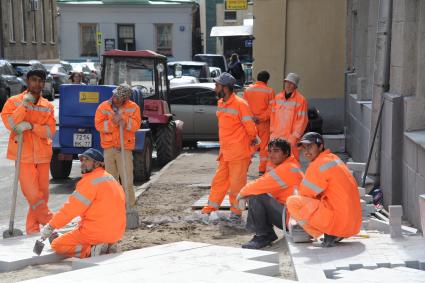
[241, 202]
[29, 98]
[22, 127]
[46, 231]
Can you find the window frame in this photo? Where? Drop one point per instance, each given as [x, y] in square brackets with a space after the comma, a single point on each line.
[133, 37]
[182, 90]
[24, 35]
[230, 20]
[84, 54]
[52, 22]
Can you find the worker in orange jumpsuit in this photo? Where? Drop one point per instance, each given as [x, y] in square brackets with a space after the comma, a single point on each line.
[237, 136]
[99, 200]
[328, 201]
[289, 118]
[32, 116]
[110, 114]
[267, 195]
[260, 97]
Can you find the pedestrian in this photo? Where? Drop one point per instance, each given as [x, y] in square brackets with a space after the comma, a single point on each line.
[260, 98]
[77, 78]
[119, 111]
[32, 116]
[237, 136]
[289, 118]
[267, 195]
[99, 201]
[328, 201]
[236, 70]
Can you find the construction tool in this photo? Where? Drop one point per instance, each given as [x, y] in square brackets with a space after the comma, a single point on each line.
[38, 246]
[131, 214]
[13, 232]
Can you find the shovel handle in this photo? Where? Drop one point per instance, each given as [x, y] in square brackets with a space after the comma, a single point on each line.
[15, 182]
[124, 169]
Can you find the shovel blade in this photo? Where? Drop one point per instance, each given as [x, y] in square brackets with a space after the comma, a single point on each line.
[12, 233]
[38, 247]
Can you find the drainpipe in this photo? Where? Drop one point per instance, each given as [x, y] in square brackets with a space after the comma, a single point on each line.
[381, 75]
[1, 34]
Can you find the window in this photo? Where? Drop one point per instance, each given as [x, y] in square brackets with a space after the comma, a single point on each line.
[164, 39]
[24, 22]
[11, 21]
[52, 20]
[207, 97]
[43, 21]
[183, 96]
[230, 16]
[88, 46]
[126, 37]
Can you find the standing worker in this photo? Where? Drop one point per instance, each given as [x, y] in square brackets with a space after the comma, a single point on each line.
[100, 202]
[328, 201]
[32, 116]
[110, 115]
[260, 97]
[289, 117]
[237, 135]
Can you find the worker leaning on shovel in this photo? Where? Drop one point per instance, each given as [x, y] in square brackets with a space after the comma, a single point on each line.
[119, 111]
[100, 202]
[32, 116]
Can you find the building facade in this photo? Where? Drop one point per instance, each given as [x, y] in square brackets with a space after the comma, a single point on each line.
[88, 28]
[29, 30]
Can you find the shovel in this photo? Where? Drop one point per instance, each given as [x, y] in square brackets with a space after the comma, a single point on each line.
[131, 214]
[13, 232]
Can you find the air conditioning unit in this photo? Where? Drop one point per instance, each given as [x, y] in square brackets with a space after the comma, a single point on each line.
[35, 5]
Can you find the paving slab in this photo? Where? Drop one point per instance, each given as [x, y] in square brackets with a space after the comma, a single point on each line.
[199, 204]
[176, 262]
[17, 253]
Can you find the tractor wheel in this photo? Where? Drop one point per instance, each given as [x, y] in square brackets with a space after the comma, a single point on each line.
[142, 162]
[166, 147]
[60, 169]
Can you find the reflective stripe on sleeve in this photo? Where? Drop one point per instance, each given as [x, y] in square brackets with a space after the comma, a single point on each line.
[81, 198]
[228, 110]
[312, 186]
[130, 110]
[213, 204]
[273, 174]
[329, 165]
[102, 179]
[295, 170]
[49, 133]
[246, 118]
[105, 126]
[11, 122]
[37, 204]
[129, 124]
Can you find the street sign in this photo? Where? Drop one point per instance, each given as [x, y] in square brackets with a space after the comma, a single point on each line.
[236, 4]
[98, 38]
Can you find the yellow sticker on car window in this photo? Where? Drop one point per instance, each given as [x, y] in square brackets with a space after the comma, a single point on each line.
[89, 97]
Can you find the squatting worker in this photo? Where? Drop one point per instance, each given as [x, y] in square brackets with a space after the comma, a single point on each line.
[328, 201]
[260, 98]
[99, 200]
[110, 115]
[289, 118]
[267, 195]
[32, 115]
[237, 135]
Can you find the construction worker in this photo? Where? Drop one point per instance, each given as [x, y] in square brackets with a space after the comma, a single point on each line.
[99, 200]
[110, 115]
[328, 201]
[267, 195]
[237, 136]
[289, 118]
[32, 116]
[260, 97]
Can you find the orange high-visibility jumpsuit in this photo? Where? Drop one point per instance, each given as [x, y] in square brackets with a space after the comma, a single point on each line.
[100, 202]
[36, 154]
[260, 97]
[236, 130]
[329, 200]
[111, 143]
[289, 119]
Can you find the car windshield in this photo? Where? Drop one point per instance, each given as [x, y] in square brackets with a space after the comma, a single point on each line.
[49, 67]
[22, 68]
[189, 70]
[212, 61]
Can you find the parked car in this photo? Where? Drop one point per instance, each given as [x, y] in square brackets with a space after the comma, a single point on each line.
[59, 75]
[22, 67]
[95, 72]
[213, 60]
[10, 83]
[67, 66]
[88, 76]
[199, 70]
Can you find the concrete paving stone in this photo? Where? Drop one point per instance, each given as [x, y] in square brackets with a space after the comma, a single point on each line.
[17, 253]
[396, 211]
[356, 166]
[199, 204]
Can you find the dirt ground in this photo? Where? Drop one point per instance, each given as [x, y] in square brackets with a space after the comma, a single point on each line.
[166, 215]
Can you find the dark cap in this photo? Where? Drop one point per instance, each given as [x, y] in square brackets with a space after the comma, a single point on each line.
[225, 79]
[311, 137]
[37, 72]
[92, 154]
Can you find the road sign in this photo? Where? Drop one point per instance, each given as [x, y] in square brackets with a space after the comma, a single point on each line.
[98, 38]
[236, 4]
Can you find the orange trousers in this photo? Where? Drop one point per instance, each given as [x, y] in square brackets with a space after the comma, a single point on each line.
[230, 177]
[264, 134]
[301, 209]
[73, 244]
[34, 180]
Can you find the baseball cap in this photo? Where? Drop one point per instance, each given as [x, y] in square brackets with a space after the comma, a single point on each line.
[311, 137]
[92, 154]
[225, 79]
[37, 72]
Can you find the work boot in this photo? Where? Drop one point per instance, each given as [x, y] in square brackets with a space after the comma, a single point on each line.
[259, 242]
[112, 248]
[330, 241]
[99, 249]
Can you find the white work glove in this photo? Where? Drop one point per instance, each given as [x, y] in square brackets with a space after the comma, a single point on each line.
[29, 98]
[241, 202]
[46, 231]
[22, 127]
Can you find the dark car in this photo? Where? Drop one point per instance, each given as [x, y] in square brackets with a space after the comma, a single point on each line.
[59, 75]
[22, 68]
[213, 60]
[199, 70]
[10, 83]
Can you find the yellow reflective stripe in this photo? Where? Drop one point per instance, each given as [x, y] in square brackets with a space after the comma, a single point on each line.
[213, 204]
[246, 118]
[277, 179]
[228, 110]
[37, 204]
[257, 89]
[102, 179]
[82, 198]
[78, 249]
[329, 165]
[312, 186]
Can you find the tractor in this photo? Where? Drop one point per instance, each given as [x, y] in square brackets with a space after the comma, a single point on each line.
[145, 71]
